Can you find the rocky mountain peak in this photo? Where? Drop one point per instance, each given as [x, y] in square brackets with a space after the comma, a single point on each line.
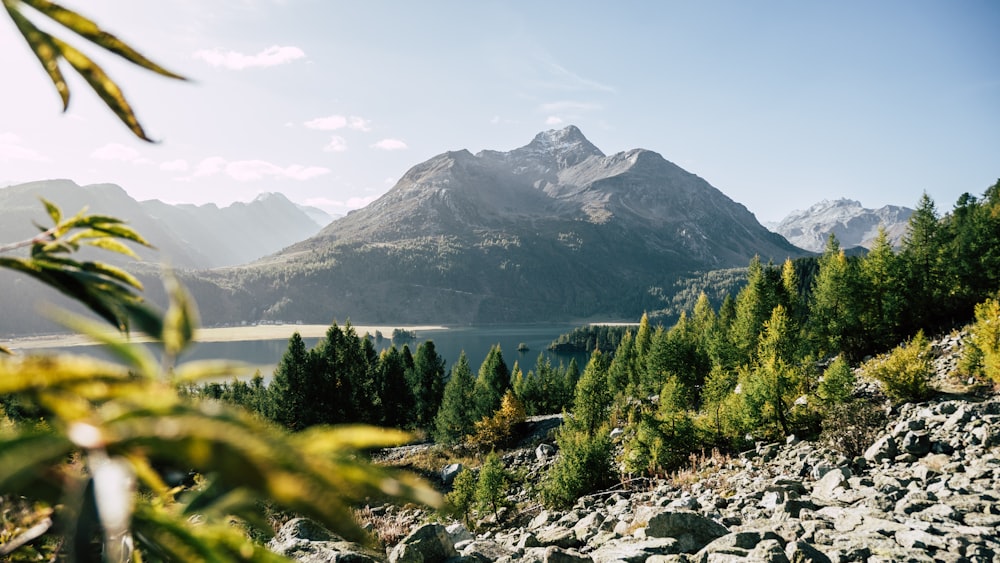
[562, 148]
[847, 219]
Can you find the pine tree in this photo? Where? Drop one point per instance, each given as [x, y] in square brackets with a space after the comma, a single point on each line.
[592, 398]
[836, 304]
[454, 419]
[287, 393]
[754, 304]
[883, 295]
[426, 380]
[396, 398]
[921, 257]
[491, 384]
[491, 488]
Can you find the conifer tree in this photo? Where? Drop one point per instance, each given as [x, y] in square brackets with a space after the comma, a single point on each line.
[491, 488]
[426, 381]
[396, 398]
[454, 419]
[883, 294]
[592, 398]
[491, 384]
[754, 304]
[287, 393]
[836, 304]
[643, 340]
[921, 256]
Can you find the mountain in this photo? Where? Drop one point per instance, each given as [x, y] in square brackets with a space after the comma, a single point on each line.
[554, 230]
[240, 232]
[187, 236]
[852, 224]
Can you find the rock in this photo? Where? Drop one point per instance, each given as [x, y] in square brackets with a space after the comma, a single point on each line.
[457, 532]
[305, 541]
[634, 552]
[768, 551]
[427, 544]
[485, 551]
[917, 539]
[883, 449]
[449, 473]
[559, 555]
[692, 530]
[615, 433]
[545, 452]
[829, 488]
[559, 537]
[802, 552]
[916, 443]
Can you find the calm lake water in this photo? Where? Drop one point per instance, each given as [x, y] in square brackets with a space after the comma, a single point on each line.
[449, 343]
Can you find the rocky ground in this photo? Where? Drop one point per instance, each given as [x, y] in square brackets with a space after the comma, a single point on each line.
[925, 489]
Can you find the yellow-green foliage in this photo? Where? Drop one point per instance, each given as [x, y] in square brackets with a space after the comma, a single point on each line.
[109, 423]
[497, 430]
[986, 337]
[905, 372]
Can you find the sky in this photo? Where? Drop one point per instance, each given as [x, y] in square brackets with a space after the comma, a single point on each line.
[779, 104]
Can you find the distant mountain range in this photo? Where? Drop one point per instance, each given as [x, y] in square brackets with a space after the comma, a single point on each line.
[185, 236]
[852, 224]
[552, 231]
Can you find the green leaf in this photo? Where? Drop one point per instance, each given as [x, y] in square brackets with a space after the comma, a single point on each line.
[48, 55]
[112, 272]
[102, 84]
[22, 455]
[180, 319]
[22, 374]
[89, 30]
[54, 212]
[112, 245]
[136, 356]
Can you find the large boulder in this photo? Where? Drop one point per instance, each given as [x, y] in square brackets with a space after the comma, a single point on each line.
[429, 543]
[692, 530]
[303, 540]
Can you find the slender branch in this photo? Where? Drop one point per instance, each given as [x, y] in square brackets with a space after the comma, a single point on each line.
[28, 536]
[40, 237]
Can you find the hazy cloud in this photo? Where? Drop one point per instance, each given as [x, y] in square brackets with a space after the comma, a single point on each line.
[252, 170]
[562, 78]
[11, 148]
[179, 165]
[336, 144]
[334, 122]
[553, 120]
[569, 105]
[390, 145]
[341, 205]
[120, 153]
[272, 56]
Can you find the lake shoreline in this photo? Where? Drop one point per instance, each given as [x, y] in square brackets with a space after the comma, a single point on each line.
[218, 334]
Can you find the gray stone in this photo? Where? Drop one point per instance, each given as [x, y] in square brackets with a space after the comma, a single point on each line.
[427, 544]
[457, 532]
[916, 443]
[559, 555]
[634, 551]
[544, 452]
[884, 448]
[802, 552]
[559, 537]
[831, 486]
[305, 541]
[768, 551]
[916, 539]
[485, 551]
[449, 473]
[692, 530]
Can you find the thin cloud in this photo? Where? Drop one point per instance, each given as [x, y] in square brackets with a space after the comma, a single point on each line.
[565, 79]
[343, 205]
[553, 120]
[334, 122]
[12, 148]
[179, 165]
[119, 153]
[390, 145]
[253, 170]
[569, 106]
[336, 144]
[233, 60]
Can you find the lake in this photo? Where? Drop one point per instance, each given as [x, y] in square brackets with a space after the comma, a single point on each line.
[449, 343]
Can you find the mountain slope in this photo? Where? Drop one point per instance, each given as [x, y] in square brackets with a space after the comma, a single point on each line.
[852, 224]
[553, 230]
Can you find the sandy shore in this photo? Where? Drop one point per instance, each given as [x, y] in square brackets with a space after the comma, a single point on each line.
[217, 334]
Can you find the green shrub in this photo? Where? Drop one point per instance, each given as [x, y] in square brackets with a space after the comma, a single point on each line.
[463, 494]
[905, 372]
[491, 489]
[838, 382]
[583, 466]
[986, 337]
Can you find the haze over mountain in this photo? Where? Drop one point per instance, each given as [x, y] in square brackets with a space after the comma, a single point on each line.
[852, 224]
[186, 236]
[553, 230]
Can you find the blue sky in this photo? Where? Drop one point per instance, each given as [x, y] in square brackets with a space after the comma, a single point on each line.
[779, 104]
